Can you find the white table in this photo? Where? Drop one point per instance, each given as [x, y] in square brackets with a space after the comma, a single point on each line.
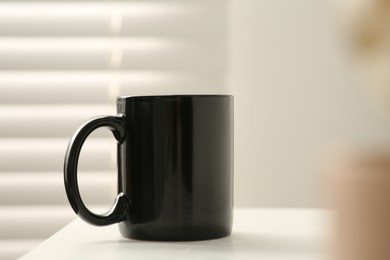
[269, 234]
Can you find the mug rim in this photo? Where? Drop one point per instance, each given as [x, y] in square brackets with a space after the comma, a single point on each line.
[178, 96]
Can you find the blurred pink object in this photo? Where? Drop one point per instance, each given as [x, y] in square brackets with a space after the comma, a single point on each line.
[359, 192]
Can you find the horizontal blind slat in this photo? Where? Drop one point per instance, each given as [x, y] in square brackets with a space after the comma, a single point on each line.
[48, 121]
[47, 154]
[94, 87]
[47, 188]
[33, 222]
[122, 18]
[213, 2]
[103, 53]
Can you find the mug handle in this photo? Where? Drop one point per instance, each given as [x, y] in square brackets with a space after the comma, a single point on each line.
[120, 210]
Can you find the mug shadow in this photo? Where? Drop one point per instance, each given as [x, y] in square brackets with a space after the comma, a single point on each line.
[236, 242]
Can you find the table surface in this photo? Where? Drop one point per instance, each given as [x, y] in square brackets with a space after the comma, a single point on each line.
[270, 234]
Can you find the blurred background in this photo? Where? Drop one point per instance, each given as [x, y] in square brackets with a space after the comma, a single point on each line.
[291, 66]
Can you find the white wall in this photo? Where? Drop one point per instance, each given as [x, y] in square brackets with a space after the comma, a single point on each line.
[294, 98]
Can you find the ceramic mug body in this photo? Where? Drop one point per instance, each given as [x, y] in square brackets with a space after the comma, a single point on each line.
[175, 164]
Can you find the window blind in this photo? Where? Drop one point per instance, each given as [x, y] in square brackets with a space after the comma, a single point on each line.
[62, 62]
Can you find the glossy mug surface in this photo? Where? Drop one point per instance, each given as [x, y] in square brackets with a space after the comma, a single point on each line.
[175, 167]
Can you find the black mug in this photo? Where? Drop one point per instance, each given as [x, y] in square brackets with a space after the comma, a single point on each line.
[175, 167]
